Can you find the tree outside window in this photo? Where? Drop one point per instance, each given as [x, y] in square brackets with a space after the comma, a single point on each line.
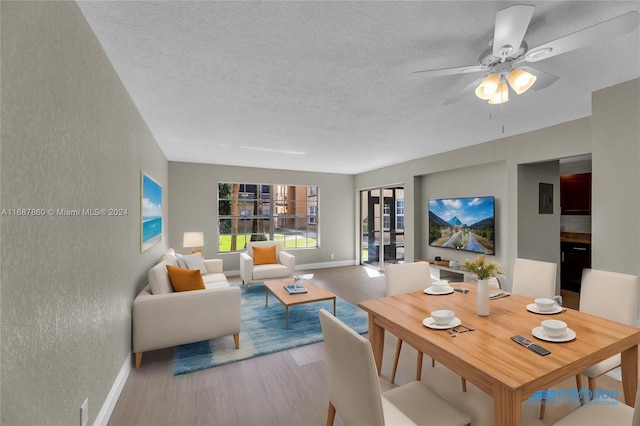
[259, 212]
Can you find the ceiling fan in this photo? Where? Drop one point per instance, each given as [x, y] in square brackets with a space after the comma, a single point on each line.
[504, 61]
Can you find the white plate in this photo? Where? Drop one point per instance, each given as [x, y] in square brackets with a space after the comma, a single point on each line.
[429, 322]
[532, 307]
[540, 334]
[429, 290]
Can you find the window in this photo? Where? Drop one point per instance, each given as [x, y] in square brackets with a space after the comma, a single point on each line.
[399, 215]
[258, 212]
[313, 215]
[386, 217]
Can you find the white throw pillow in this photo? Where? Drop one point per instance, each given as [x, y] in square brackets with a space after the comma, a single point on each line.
[159, 279]
[181, 262]
[195, 261]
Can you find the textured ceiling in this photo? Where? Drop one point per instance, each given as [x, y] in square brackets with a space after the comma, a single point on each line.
[326, 86]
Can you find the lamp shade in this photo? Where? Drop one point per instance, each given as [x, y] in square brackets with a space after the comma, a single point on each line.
[488, 87]
[193, 239]
[521, 80]
[501, 96]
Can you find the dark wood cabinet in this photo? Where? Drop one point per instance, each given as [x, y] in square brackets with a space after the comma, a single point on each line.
[574, 258]
[575, 194]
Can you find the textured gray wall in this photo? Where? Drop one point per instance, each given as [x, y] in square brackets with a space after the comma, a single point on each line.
[71, 139]
[488, 180]
[615, 197]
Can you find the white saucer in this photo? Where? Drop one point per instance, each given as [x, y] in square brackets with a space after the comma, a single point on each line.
[429, 322]
[429, 290]
[532, 307]
[540, 334]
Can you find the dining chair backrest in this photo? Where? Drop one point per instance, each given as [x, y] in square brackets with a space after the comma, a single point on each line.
[610, 295]
[534, 278]
[354, 388]
[403, 278]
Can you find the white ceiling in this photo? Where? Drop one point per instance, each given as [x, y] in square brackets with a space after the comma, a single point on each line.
[326, 85]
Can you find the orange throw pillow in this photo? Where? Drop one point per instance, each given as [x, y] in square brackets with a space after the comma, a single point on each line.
[183, 279]
[264, 255]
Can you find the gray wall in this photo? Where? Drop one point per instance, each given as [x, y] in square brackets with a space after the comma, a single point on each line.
[615, 215]
[193, 198]
[539, 234]
[71, 139]
[453, 184]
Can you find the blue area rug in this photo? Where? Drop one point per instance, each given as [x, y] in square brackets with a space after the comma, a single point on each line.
[263, 331]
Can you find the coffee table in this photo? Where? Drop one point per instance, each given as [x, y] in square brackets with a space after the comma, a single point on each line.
[313, 294]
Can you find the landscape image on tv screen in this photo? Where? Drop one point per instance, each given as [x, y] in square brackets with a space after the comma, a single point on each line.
[463, 224]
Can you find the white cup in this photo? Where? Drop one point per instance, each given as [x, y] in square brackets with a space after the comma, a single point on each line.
[440, 286]
[544, 305]
[443, 317]
[554, 328]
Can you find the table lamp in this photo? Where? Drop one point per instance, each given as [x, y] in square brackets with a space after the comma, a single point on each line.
[193, 240]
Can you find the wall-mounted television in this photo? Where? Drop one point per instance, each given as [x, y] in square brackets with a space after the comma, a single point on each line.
[463, 224]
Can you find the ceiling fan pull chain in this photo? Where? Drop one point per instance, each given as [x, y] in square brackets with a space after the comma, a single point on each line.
[502, 114]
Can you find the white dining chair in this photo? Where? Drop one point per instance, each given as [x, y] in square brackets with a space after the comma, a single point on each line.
[609, 295]
[603, 414]
[534, 278]
[354, 386]
[403, 278]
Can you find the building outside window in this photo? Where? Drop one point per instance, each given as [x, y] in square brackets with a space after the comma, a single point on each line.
[260, 212]
[399, 215]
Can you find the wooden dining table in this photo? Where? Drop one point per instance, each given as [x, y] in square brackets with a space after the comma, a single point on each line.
[488, 358]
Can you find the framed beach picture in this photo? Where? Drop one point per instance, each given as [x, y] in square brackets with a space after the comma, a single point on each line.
[151, 212]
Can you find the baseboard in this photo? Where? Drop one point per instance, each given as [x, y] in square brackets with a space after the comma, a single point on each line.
[322, 265]
[306, 266]
[110, 402]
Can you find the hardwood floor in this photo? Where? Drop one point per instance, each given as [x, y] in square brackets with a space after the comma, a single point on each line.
[289, 388]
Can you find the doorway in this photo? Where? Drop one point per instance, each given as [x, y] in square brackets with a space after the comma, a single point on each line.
[382, 226]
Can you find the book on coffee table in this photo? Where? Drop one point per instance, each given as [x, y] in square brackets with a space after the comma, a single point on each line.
[293, 288]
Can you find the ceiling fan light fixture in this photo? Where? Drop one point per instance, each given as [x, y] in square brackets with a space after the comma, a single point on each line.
[488, 87]
[521, 80]
[501, 96]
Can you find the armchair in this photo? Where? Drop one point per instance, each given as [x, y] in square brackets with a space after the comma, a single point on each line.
[251, 272]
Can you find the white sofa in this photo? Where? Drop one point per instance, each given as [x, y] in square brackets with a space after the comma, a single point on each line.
[164, 318]
[252, 274]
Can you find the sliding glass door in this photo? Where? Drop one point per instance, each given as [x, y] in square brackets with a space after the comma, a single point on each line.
[382, 226]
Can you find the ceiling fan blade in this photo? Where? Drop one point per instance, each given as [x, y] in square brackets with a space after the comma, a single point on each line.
[451, 71]
[463, 92]
[604, 30]
[543, 79]
[511, 26]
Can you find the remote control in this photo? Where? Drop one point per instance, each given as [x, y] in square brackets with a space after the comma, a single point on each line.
[530, 345]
